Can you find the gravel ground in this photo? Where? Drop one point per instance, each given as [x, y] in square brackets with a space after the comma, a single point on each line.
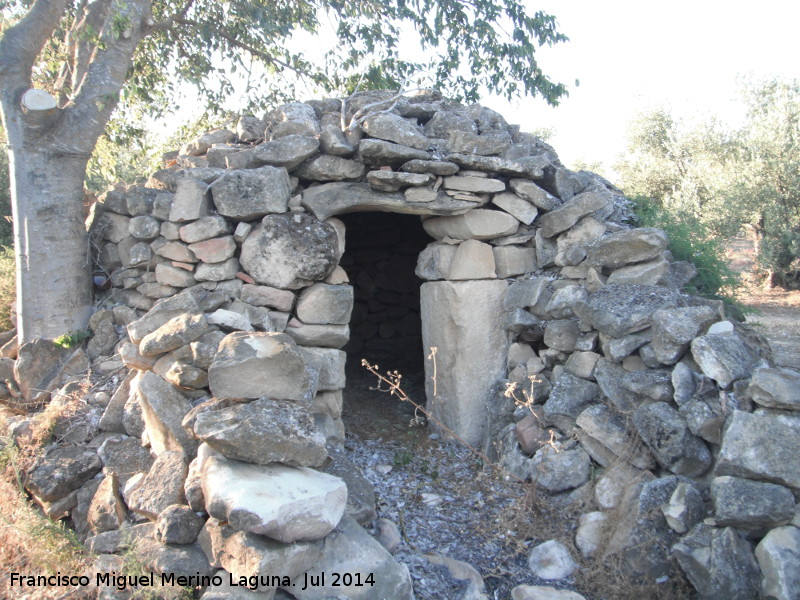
[437, 493]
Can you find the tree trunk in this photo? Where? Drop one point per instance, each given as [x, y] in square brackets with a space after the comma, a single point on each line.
[49, 148]
[54, 294]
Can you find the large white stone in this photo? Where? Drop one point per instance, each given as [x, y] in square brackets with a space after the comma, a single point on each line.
[463, 320]
[478, 224]
[551, 560]
[284, 503]
[472, 260]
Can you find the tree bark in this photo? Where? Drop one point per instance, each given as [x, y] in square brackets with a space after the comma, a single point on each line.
[54, 294]
[47, 161]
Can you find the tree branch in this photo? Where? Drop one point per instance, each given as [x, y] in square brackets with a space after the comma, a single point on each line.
[266, 57]
[88, 31]
[87, 113]
[22, 43]
[171, 20]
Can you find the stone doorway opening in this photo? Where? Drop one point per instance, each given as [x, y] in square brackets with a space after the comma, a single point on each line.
[380, 257]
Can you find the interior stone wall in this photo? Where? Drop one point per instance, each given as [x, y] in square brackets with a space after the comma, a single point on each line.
[380, 259]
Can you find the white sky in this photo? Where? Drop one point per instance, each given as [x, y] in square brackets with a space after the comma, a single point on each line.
[632, 55]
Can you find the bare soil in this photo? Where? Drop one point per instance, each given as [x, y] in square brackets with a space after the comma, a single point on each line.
[776, 312]
[777, 317]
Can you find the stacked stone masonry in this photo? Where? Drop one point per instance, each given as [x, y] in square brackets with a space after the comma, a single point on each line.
[564, 341]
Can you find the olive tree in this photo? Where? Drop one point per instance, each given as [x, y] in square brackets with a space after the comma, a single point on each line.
[728, 178]
[66, 66]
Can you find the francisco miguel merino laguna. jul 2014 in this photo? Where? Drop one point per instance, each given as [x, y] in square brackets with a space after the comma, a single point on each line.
[122, 582]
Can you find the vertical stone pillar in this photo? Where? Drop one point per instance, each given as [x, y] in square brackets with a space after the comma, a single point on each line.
[463, 320]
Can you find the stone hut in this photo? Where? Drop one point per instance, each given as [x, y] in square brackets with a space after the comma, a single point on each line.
[238, 279]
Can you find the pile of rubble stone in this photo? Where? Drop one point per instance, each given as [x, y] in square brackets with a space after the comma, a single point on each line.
[217, 447]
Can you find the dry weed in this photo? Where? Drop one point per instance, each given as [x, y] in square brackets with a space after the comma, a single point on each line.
[31, 543]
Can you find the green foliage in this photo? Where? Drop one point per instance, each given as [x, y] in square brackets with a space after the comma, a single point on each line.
[403, 458]
[684, 167]
[74, 338]
[468, 47]
[728, 179]
[693, 241]
[769, 193]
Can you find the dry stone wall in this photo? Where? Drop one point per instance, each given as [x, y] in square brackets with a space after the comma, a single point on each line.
[564, 344]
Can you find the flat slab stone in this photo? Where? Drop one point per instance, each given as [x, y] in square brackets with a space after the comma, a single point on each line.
[522, 209]
[618, 310]
[529, 166]
[565, 216]
[330, 168]
[331, 199]
[288, 152]
[476, 185]
[394, 128]
[478, 224]
[534, 194]
[627, 246]
[383, 152]
[393, 180]
[434, 167]
[284, 503]
[263, 431]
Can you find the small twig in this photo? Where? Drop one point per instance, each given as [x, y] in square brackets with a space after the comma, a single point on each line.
[529, 400]
[392, 379]
[432, 357]
[402, 523]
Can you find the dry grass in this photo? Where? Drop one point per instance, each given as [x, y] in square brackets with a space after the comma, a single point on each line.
[8, 292]
[605, 578]
[31, 543]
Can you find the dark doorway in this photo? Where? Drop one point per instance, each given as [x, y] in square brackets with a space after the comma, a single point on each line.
[380, 257]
